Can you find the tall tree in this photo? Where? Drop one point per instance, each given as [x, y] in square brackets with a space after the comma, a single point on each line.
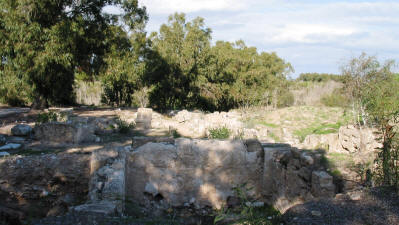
[48, 41]
[184, 48]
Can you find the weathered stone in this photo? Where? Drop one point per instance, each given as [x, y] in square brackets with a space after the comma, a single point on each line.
[3, 140]
[103, 208]
[144, 117]
[10, 146]
[107, 183]
[354, 139]
[42, 181]
[322, 184]
[10, 111]
[316, 213]
[139, 141]
[64, 133]
[17, 140]
[306, 159]
[21, 130]
[205, 170]
[57, 210]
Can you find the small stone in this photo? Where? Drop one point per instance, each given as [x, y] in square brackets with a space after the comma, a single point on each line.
[17, 140]
[307, 159]
[44, 193]
[98, 140]
[128, 148]
[258, 204]
[269, 217]
[2, 139]
[21, 130]
[100, 185]
[151, 189]
[316, 213]
[10, 146]
[355, 196]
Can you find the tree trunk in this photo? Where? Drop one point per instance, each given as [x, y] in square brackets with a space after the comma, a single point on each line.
[40, 102]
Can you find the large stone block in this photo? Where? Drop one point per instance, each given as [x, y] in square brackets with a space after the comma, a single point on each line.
[204, 170]
[21, 130]
[144, 117]
[64, 133]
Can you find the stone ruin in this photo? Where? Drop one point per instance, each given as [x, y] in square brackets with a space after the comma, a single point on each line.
[184, 173]
[156, 173]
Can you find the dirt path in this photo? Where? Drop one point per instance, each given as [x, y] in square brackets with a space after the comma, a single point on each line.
[377, 206]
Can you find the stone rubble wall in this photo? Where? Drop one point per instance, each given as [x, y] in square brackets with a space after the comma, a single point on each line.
[204, 172]
[44, 185]
[107, 183]
[349, 139]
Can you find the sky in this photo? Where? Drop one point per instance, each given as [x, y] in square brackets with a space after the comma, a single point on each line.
[314, 36]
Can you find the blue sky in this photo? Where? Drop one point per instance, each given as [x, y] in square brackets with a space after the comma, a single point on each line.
[314, 36]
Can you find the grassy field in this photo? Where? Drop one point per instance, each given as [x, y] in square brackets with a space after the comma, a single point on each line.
[300, 121]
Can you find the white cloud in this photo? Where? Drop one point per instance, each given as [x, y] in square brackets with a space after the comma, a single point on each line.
[304, 32]
[310, 33]
[188, 6]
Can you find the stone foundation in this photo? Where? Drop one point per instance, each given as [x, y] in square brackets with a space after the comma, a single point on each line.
[203, 173]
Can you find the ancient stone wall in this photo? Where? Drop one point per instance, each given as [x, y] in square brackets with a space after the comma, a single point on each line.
[204, 172]
[42, 185]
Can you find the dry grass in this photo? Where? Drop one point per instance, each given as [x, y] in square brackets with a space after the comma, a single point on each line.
[88, 93]
[310, 93]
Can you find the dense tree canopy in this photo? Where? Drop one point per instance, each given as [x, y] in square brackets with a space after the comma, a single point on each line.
[197, 75]
[51, 44]
[47, 41]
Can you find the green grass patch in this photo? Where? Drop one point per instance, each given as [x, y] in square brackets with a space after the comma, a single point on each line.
[252, 122]
[272, 125]
[317, 129]
[275, 137]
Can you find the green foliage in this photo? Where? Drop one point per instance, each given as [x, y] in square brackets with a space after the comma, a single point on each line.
[187, 72]
[219, 133]
[50, 116]
[180, 58]
[320, 77]
[285, 99]
[374, 92]
[325, 128]
[126, 68]
[249, 214]
[46, 42]
[13, 90]
[123, 126]
[335, 99]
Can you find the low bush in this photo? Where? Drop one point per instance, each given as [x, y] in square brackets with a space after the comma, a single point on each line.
[285, 99]
[219, 133]
[335, 99]
[123, 126]
[47, 117]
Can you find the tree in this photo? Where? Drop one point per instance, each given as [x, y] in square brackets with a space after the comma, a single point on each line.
[241, 77]
[356, 73]
[380, 98]
[48, 41]
[182, 50]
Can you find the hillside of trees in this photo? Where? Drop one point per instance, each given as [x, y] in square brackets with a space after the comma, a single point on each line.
[49, 45]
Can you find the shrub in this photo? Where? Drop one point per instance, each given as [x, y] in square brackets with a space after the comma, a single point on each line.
[123, 126]
[285, 99]
[219, 133]
[335, 99]
[50, 116]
